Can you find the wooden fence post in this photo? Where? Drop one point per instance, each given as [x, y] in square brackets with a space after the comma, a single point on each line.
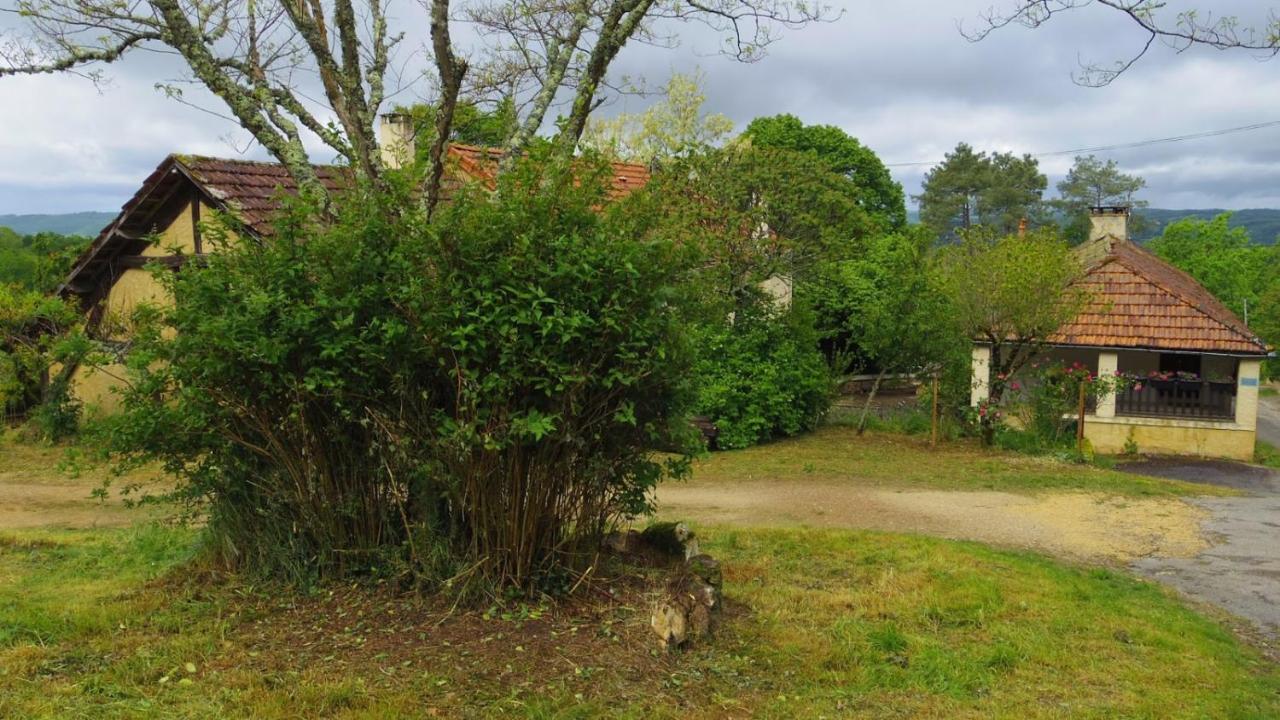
[933, 427]
[1084, 387]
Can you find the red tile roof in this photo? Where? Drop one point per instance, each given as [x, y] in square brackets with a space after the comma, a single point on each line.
[1138, 300]
[252, 190]
[481, 164]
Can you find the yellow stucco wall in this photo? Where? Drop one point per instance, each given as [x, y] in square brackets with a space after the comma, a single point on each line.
[94, 386]
[1170, 437]
[179, 236]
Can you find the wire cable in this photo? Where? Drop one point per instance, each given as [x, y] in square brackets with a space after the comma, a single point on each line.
[1124, 146]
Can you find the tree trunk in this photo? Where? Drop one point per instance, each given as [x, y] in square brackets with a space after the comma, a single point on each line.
[451, 70]
[866, 406]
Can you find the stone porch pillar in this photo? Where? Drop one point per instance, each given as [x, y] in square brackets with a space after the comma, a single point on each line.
[1247, 379]
[980, 388]
[1108, 364]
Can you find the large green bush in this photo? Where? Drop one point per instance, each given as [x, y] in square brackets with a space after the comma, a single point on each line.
[762, 375]
[30, 326]
[474, 395]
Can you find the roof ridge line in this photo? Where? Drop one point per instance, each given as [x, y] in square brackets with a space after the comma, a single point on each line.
[1250, 338]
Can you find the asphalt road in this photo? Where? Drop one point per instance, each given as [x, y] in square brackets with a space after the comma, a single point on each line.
[1269, 420]
[1240, 572]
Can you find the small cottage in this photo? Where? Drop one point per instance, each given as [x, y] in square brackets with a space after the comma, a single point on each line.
[166, 220]
[1191, 367]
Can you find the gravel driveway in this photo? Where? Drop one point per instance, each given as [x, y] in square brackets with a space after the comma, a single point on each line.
[1240, 571]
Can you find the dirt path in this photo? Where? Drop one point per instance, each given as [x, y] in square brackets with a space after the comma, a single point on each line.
[35, 492]
[68, 506]
[1075, 525]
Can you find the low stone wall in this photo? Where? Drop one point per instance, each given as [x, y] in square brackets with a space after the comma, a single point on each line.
[1161, 436]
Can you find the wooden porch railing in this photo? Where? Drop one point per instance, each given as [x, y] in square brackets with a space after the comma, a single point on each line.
[1189, 399]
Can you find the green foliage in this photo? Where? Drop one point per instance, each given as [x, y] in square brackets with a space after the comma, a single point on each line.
[57, 416]
[1266, 454]
[970, 188]
[879, 310]
[472, 125]
[881, 196]
[762, 219]
[761, 376]
[30, 326]
[1050, 398]
[1244, 276]
[1011, 293]
[478, 393]
[37, 262]
[757, 213]
[1221, 258]
[1089, 183]
[672, 127]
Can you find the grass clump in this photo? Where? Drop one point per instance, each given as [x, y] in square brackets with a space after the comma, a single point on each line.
[1264, 453]
[837, 454]
[817, 623]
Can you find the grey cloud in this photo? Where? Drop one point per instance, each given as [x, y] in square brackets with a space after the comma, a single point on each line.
[898, 75]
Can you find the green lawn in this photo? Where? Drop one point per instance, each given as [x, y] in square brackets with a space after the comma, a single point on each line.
[118, 624]
[837, 453]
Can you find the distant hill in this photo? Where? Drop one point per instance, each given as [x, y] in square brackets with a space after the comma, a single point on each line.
[79, 223]
[1263, 224]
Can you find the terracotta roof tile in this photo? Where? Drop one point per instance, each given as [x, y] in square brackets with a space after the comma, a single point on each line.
[1140, 301]
[252, 190]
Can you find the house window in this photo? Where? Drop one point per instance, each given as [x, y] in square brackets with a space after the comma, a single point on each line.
[1180, 363]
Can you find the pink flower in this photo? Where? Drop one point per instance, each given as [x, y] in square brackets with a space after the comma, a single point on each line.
[1016, 385]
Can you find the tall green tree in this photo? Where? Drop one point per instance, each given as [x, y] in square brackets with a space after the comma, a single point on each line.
[1223, 259]
[1014, 193]
[971, 188]
[473, 124]
[1092, 182]
[763, 219]
[674, 126]
[843, 154]
[1011, 293]
[880, 312]
[761, 213]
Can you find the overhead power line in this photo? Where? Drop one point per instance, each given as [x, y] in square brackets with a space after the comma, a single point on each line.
[1124, 146]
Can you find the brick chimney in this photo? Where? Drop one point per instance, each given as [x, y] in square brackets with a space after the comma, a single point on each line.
[395, 135]
[1109, 221]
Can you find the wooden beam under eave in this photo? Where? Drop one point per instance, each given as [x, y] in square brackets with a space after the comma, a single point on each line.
[137, 261]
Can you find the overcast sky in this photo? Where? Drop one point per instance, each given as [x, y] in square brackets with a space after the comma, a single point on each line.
[897, 75]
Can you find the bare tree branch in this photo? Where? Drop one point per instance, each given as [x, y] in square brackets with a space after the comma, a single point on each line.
[1187, 29]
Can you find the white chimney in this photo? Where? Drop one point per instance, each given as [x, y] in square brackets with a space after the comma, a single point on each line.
[1110, 221]
[395, 135]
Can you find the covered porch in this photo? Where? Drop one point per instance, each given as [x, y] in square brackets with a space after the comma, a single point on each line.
[1176, 403]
